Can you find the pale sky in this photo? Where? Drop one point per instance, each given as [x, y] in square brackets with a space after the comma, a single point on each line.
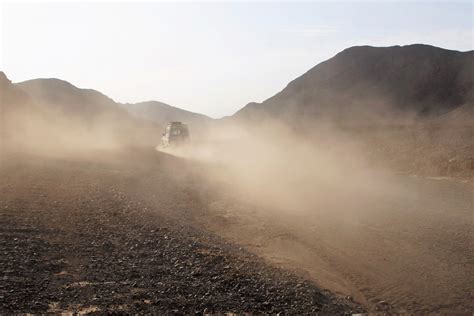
[211, 58]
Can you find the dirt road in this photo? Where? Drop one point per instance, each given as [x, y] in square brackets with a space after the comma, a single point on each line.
[149, 232]
[118, 232]
[409, 249]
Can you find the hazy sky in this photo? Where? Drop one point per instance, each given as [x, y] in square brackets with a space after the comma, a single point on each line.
[211, 58]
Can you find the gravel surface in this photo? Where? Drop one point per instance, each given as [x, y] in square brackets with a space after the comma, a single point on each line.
[74, 239]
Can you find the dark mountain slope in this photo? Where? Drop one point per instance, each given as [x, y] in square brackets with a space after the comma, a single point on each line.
[368, 83]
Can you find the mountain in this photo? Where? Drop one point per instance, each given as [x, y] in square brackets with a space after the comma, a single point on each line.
[85, 104]
[163, 113]
[90, 104]
[15, 105]
[10, 94]
[61, 115]
[368, 84]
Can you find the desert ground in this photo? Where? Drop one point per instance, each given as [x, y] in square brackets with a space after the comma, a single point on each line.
[143, 231]
[89, 234]
[221, 159]
[404, 252]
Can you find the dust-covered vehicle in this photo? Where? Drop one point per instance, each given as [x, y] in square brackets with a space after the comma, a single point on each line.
[176, 133]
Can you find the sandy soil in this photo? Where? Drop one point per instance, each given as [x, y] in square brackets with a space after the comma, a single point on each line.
[409, 249]
[149, 232]
[120, 232]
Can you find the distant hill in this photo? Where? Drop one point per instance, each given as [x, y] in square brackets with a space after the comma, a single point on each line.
[367, 84]
[86, 104]
[15, 104]
[54, 112]
[10, 94]
[163, 113]
[92, 105]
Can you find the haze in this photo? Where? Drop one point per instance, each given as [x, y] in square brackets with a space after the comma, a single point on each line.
[210, 58]
[350, 191]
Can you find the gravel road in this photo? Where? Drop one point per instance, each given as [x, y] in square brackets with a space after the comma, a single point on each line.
[118, 232]
[404, 245]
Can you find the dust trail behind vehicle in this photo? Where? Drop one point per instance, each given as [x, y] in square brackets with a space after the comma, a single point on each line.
[318, 206]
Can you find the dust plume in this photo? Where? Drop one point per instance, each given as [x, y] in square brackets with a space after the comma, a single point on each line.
[286, 169]
[322, 202]
[67, 129]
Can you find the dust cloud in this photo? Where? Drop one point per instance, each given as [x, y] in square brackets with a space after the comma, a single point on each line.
[43, 130]
[286, 169]
[314, 201]
[312, 198]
